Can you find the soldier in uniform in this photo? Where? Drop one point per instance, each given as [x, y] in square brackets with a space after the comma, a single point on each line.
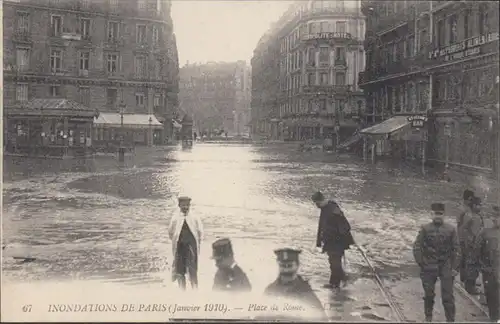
[290, 284]
[437, 252]
[488, 251]
[229, 276]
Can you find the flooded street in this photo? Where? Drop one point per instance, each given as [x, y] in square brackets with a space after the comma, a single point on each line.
[97, 222]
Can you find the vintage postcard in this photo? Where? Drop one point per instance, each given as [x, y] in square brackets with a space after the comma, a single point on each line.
[178, 160]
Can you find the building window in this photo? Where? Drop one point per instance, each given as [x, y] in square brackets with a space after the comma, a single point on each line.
[410, 46]
[112, 62]
[340, 55]
[23, 25]
[324, 78]
[157, 100]
[113, 29]
[311, 79]
[111, 97]
[22, 92]
[340, 27]
[156, 35]
[422, 39]
[483, 21]
[84, 61]
[56, 60]
[139, 99]
[23, 59]
[340, 78]
[453, 29]
[141, 34]
[158, 69]
[312, 56]
[84, 93]
[85, 28]
[55, 91]
[140, 67]
[324, 54]
[323, 27]
[56, 25]
[322, 104]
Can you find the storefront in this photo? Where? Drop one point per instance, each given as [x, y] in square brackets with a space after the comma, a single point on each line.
[49, 127]
[112, 130]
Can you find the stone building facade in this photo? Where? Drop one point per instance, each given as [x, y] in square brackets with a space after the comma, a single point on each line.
[107, 55]
[320, 55]
[217, 96]
[437, 60]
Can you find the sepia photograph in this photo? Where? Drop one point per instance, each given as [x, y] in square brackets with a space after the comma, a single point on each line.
[250, 161]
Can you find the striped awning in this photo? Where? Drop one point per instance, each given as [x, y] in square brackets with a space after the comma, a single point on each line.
[137, 121]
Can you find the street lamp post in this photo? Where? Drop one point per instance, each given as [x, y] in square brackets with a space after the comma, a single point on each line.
[497, 81]
[150, 132]
[447, 133]
[121, 149]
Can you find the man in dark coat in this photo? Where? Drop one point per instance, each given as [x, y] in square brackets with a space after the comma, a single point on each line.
[290, 284]
[334, 234]
[229, 276]
[437, 252]
[488, 249]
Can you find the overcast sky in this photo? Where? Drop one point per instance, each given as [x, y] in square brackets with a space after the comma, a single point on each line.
[209, 30]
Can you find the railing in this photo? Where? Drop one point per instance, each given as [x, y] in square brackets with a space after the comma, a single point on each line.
[22, 36]
[321, 89]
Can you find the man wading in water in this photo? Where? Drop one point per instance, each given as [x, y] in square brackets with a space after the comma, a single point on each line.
[186, 232]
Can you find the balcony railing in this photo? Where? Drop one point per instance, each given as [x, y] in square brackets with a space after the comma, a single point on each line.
[325, 89]
[22, 36]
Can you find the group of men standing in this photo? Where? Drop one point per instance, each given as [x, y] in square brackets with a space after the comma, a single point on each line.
[443, 250]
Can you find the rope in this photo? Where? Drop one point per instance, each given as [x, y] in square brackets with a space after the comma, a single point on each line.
[394, 307]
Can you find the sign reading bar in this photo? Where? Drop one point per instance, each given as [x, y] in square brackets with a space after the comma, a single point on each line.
[417, 121]
[464, 48]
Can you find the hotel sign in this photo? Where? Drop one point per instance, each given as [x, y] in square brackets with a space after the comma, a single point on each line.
[468, 47]
[329, 36]
[417, 121]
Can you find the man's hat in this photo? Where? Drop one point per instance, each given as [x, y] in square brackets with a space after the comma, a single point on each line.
[287, 254]
[222, 248]
[438, 208]
[184, 198]
[468, 194]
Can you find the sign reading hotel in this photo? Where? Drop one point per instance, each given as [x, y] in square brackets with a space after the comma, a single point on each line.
[329, 35]
[466, 48]
[417, 121]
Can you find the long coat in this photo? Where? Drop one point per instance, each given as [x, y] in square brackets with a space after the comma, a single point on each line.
[233, 280]
[334, 230]
[174, 230]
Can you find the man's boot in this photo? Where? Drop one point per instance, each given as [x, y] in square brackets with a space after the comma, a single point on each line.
[428, 308]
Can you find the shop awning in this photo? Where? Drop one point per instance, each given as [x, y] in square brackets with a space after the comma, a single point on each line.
[48, 107]
[388, 126]
[137, 121]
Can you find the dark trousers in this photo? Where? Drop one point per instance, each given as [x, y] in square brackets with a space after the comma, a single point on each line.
[491, 291]
[429, 277]
[187, 262]
[337, 274]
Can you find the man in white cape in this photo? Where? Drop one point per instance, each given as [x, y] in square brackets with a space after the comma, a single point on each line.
[186, 233]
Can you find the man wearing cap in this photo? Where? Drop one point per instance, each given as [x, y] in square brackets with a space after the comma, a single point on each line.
[437, 252]
[290, 284]
[488, 249]
[229, 276]
[334, 233]
[470, 230]
[186, 232]
[463, 216]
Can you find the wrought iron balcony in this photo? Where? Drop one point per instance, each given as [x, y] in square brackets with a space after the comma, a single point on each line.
[23, 36]
[325, 89]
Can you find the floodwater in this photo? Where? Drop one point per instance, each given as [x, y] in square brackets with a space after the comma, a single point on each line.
[98, 222]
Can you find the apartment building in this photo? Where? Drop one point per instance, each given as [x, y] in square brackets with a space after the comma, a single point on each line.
[112, 57]
[217, 95]
[437, 62]
[321, 54]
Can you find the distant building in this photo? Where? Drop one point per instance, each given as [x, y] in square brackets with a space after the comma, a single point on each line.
[217, 95]
[437, 60]
[320, 55]
[98, 53]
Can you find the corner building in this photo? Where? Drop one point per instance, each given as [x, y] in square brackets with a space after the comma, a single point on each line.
[320, 55]
[108, 55]
[437, 60]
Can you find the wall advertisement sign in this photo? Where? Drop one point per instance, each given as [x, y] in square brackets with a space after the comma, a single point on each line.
[468, 47]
